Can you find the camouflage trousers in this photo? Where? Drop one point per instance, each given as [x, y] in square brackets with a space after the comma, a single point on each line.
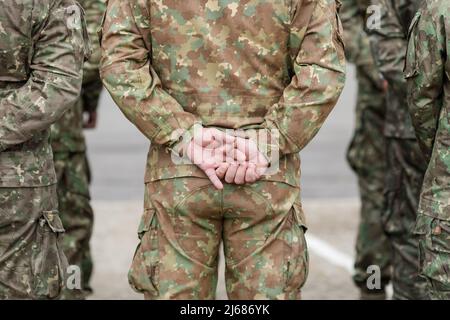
[72, 171]
[367, 157]
[434, 255]
[32, 263]
[406, 169]
[185, 220]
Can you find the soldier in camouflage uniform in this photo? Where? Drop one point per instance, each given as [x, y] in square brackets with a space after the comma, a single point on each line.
[405, 165]
[42, 49]
[367, 151]
[274, 66]
[428, 75]
[69, 152]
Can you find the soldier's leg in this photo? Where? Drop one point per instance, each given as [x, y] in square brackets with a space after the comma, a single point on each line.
[434, 255]
[32, 264]
[265, 248]
[404, 181]
[87, 265]
[367, 157]
[180, 233]
[77, 216]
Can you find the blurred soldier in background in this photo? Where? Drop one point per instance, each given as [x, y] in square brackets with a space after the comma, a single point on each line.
[274, 66]
[72, 168]
[367, 151]
[405, 165]
[41, 54]
[428, 75]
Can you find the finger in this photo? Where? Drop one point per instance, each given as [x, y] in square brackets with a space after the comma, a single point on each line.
[211, 173]
[221, 136]
[206, 137]
[244, 146]
[240, 156]
[250, 174]
[260, 171]
[240, 174]
[222, 170]
[214, 145]
[231, 173]
[220, 153]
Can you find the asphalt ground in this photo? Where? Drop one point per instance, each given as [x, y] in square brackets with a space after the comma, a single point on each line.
[117, 152]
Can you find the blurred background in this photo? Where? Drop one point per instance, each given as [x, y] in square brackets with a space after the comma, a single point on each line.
[117, 152]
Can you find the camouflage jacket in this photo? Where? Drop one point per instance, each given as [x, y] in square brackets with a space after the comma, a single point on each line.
[428, 75]
[264, 64]
[389, 42]
[357, 45]
[67, 134]
[41, 55]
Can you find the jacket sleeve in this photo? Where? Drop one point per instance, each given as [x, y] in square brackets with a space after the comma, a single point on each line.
[357, 44]
[317, 81]
[92, 84]
[131, 80]
[388, 46]
[55, 79]
[425, 75]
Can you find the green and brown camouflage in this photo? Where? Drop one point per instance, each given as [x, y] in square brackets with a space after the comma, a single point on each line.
[39, 80]
[252, 64]
[262, 227]
[366, 153]
[405, 163]
[389, 42]
[233, 64]
[72, 172]
[428, 76]
[72, 168]
[67, 134]
[42, 48]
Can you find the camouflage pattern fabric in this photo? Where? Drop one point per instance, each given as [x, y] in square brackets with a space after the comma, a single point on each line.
[405, 163]
[389, 43]
[428, 75]
[402, 197]
[264, 64]
[72, 172]
[67, 134]
[366, 153]
[42, 49]
[261, 224]
[32, 263]
[69, 148]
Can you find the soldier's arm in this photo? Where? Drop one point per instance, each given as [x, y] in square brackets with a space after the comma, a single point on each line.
[425, 75]
[131, 80]
[388, 42]
[318, 79]
[92, 84]
[357, 44]
[54, 83]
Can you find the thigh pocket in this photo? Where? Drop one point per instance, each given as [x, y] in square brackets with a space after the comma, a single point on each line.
[296, 255]
[48, 262]
[434, 251]
[144, 272]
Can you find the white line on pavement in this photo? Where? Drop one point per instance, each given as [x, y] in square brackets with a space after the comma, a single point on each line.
[327, 252]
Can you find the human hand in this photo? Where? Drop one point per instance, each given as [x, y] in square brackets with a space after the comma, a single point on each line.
[210, 148]
[91, 121]
[250, 170]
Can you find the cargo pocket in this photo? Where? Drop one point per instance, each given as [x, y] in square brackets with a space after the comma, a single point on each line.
[48, 262]
[434, 251]
[297, 259]
[144, 272]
